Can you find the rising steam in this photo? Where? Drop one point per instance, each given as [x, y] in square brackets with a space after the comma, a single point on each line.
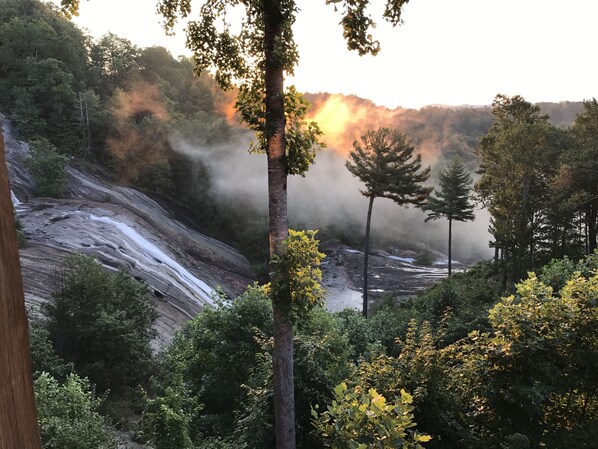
[328, 196]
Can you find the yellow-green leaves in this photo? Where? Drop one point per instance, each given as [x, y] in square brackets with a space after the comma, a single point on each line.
[366, 420]
[69, 8]
[297, 272]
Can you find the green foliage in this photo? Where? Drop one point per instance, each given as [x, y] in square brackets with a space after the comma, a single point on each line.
[102, 322]
[297, 274]
[43, 356]
[384, 162]
[112, 61]
[167, 419]
[425, 258]
[532, 198]
[583, 178]
[48, 168]
[361, 420]
[532, 375]
[223, 357]
[364, 335]
[302, 138]
[42, 65]
[520, 378]
[69, 415]
[558, 271]
[461, 303]
[215, 353]
[321, 360]
[418, 365]
[453, 201]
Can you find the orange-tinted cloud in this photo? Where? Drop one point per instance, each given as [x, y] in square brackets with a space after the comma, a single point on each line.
[345, 119]
[141, 99]
[139, 138]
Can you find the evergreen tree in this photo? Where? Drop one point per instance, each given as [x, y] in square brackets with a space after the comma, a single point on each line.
[517, 163]
[453, 200]
[384, 161]
[584, 169]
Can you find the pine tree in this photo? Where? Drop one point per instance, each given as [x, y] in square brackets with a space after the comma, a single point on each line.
[384, 161]
[453, 201]
[517, 163]
[584, 165]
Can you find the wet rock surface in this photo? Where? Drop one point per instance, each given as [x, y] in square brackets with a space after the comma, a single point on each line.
[122, 228]
[396, 273]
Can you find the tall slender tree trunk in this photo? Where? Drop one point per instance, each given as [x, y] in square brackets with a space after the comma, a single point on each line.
[282, 356]
[503, 259]
[450, 245]
[366, 252]
[18, 420]
[591, 216]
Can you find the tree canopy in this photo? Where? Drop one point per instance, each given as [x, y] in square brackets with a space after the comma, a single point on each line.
[385, 163]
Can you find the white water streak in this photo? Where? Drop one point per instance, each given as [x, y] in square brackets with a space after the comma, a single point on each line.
[155, 256]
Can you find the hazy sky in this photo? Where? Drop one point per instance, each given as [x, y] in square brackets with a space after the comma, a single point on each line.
[449, 52]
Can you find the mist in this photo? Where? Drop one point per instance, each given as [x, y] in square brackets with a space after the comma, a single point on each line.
[329, 197]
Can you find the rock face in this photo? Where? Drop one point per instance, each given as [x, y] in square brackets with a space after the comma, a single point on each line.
[122, 228]
[388, 273]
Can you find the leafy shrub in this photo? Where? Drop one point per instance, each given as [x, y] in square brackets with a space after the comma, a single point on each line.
[425, 258]
[102, 322]
[296, 274]
[461, 302]
[167, 419]
[68, 414]
[48, 168]
[43, 355]
[321, 360]
[215, 353]
[558, 271]
[365, 420]
[534, 375]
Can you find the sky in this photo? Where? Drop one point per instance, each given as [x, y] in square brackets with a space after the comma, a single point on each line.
[447, 52]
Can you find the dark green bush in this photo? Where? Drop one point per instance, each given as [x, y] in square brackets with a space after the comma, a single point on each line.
[68, 414]
[48, 168]
[102, 322]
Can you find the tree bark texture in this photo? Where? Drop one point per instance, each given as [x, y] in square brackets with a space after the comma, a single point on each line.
[366, 252]
[282, 356]
[18, 420]
[450, 246]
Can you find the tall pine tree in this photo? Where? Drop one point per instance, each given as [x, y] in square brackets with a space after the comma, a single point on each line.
[584, 165]
[384, 161]
[453, 201]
